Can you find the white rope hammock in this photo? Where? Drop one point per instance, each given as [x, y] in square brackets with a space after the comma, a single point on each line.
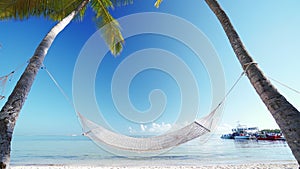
[101, 135]
[6, 78]
[3, 81]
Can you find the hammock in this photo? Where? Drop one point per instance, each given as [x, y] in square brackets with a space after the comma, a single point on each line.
[3, 82]
[8, 77]
[101, 135]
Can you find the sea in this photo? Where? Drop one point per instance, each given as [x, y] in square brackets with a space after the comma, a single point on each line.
[80, 150]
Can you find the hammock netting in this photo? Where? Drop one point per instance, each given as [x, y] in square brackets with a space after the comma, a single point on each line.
[3, 81]
[120, 143]
[103, 136]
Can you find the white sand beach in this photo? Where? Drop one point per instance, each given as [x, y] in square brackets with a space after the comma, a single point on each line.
[219, 166]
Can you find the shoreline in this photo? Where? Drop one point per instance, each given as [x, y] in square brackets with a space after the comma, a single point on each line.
[284, 165]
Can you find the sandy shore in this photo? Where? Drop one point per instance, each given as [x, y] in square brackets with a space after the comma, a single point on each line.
[238, 166]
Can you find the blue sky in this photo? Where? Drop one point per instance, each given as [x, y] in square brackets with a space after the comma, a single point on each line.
[269, 30]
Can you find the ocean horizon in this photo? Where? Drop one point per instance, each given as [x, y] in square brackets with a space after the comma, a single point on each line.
[80, 150]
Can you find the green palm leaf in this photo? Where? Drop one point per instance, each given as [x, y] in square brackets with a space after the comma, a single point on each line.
[110, 27]
[58, 9]
[23, 9]
[122, 2]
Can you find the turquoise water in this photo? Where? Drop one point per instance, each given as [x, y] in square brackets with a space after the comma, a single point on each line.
[80, 150]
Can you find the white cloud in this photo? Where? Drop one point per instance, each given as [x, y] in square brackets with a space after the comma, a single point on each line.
[131, 130]
[143, 127]
[159, 128]
[151, 129]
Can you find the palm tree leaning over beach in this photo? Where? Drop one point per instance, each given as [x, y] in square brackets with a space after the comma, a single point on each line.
[63, 11]
[285, 114]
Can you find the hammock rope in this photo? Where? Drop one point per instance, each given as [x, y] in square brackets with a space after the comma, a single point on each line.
[4, 79]
[101, 135]
[285, 85]
[58, 86]
[62, 92]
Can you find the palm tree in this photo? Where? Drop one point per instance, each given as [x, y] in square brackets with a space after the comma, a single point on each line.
[63, 11]
[285, 114]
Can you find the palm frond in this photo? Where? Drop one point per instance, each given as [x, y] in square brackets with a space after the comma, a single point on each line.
[157, 3]
[82, 12]
[79, 17]
[23, 9]
[109, 26]
[122, 2]
[58, 9]
[66, 7]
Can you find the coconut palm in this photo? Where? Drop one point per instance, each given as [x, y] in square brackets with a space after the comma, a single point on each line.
[285, 114]
[63, 11]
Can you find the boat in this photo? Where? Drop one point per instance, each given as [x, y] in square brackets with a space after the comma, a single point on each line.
[227, 136]
[242, 137]
[242, 132]
[271, 136]
[245, 136]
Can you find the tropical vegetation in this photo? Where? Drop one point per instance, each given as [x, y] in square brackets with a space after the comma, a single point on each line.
[271, 131]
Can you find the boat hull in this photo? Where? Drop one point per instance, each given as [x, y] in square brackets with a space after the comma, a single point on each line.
[271, 138]
[241, 137]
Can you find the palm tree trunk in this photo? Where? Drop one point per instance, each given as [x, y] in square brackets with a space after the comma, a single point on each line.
[10, 111]
[286, 115]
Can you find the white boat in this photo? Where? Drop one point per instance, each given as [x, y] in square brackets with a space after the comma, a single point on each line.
[244, 132]
[242, 137]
